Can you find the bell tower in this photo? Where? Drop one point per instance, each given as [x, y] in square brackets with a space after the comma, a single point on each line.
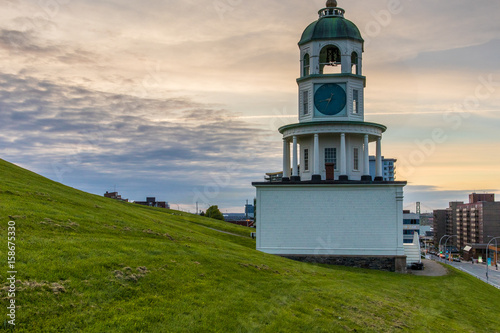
[331, 85]
[329, 207]
[331, 140]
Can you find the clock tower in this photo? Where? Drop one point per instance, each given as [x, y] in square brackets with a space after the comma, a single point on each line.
[331, 82]
[331, 131]
[327, 208]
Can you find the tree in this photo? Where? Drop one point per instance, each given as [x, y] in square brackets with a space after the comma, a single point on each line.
[214, 213]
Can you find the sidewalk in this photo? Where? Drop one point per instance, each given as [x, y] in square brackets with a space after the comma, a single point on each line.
[431, 268]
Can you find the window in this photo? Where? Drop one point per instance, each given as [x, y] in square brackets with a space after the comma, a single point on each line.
[331, 156]
[307, 65]
[355, 101]
[305, 102]
[356, 159]
[306, 159]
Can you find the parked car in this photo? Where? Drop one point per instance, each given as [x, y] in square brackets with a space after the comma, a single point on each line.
[417, 266]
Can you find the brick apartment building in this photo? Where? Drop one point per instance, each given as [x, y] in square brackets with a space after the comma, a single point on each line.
[474, 223]
[114, 195]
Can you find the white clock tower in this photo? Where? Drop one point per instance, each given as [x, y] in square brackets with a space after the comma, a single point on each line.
[327, 208]
[331, 128]
[330, 53]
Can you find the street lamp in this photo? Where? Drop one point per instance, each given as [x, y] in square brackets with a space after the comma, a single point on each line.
[449, 256]
[439, 248]
[487, 256]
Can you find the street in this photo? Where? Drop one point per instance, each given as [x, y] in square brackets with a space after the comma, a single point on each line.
[477, 270]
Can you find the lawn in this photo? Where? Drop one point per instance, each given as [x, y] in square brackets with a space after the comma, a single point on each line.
[91, 264]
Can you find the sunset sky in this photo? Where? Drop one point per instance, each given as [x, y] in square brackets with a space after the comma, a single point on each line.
[182, 99]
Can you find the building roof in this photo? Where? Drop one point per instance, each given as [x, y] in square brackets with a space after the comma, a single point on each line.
[331, 27]
[331, 123]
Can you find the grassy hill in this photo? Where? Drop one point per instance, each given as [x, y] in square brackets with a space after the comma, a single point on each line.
[91, 264]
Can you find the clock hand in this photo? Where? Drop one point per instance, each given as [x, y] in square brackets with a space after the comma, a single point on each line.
[328, 99]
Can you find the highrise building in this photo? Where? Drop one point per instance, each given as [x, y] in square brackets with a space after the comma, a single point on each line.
[475, 222]
[388, 168]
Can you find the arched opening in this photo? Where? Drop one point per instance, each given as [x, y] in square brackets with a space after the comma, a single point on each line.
[306, 65]
[354, 63]
[330, 60]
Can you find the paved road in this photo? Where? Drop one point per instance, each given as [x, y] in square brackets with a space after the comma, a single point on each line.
[477, 270]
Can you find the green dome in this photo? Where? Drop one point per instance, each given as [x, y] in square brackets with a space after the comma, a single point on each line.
[331, 27]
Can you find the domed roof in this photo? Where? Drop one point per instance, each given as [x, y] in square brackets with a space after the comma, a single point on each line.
[331, 27]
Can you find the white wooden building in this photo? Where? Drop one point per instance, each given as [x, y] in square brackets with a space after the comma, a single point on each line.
[328, 208]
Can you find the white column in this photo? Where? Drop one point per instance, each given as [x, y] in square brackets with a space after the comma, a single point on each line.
[295, 165]
[378, 162]
[343, 156]
[367, 157]
[346, 60]
[316, 154]
[286, 159]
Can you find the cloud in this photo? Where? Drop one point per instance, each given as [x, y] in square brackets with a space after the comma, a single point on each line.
[81, 131]
[23, 41]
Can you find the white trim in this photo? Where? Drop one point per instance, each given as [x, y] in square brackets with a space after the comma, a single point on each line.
[325, 128]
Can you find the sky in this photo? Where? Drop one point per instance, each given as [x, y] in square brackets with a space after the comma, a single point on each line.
[182, 99]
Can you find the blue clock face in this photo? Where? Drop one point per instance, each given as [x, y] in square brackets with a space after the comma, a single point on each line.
[330, 99]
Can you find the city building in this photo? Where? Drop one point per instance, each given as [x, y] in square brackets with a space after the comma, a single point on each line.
[331, 210]
[388, 168]
[426, 219]
[249, 211]
[470, 223]
[478, 221]
[411, 225]
[151, 202]
[244, 219]
[440, 219]
[115, 196]
[239, 219]
[234, 217]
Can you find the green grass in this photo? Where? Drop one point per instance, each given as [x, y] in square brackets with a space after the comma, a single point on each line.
[91, 264]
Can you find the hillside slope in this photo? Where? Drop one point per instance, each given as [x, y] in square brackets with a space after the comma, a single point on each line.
[91, 264]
